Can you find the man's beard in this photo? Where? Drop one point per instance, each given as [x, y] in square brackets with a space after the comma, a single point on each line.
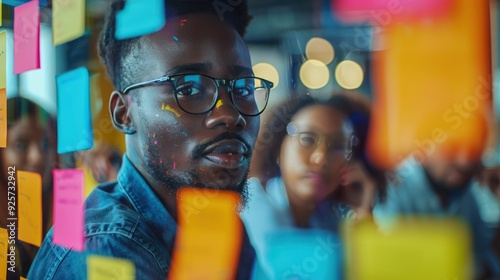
[174, 183]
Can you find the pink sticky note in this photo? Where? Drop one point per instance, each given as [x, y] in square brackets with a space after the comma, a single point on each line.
[68, 208]
[384, 12]
[26, 37]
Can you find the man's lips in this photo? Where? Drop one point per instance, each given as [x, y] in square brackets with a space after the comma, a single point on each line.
[227, 153]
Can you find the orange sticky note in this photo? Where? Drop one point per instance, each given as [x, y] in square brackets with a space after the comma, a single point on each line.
[3, 59]
[209, 235]
[3, 253]
[68, 20]
[433, 86]
[26, 37]
[3, 118]
[431, 249]
[68, 208]
[105, 268]
[30, 207]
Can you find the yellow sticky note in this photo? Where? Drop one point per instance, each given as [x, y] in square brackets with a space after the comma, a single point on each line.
[3, 253]
[433, 95]
[206, 215]
[3, 118]
[22, 278]
[68, 20]
[30, 207]
[106, 268]
[431, 249]
[3, 61]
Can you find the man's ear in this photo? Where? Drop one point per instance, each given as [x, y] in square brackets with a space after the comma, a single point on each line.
[119, 111]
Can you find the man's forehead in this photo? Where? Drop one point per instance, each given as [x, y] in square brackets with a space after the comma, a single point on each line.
[199, 21]
[188, 49]
[206, 67]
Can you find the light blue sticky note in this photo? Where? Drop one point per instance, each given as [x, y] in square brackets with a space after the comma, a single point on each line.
[74, 124]
[140, 17]
[20, 2]
[302, 254]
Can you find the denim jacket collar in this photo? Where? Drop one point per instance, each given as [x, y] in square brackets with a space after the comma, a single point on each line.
[147, 203]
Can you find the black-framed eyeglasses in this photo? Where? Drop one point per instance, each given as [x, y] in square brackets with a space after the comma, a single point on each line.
[198, 93]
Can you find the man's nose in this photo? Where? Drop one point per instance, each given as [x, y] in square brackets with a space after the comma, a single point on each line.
[225, 113]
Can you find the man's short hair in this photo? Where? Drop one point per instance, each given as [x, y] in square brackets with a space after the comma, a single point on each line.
[111, 51]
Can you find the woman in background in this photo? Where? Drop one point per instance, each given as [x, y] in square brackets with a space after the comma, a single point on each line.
[31, 146]
[309, 170]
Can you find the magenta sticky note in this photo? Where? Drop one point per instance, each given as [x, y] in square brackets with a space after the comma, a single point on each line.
[384, 12]
[26, 37]
[68, 208]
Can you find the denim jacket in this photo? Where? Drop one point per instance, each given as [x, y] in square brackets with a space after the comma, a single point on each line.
[123, 219]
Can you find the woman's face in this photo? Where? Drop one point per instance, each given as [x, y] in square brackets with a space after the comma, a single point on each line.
[311, 161]
[30, 147]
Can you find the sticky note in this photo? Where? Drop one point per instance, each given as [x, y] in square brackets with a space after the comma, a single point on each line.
[68, 20]
[385, 12]
[20, 2]
[4, 244]
[15, 2]
[317, 254]
[68, 208]
[26, 37]
[3, 118]
[206, 215]
[74, 132]
[426, 101]
[30, 207]
[150, 14]
[106, 268]
[3, 59]
[22, 278]
[411, 249]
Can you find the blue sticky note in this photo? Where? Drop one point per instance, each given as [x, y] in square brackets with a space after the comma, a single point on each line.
[74, 131]
[140, 17]
[20, 2]
[302, 254]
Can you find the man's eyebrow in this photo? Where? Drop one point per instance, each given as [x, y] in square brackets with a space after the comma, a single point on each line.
[240, 70]
[190, 68]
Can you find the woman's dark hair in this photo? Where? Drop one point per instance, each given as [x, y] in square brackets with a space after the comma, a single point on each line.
[273, 131]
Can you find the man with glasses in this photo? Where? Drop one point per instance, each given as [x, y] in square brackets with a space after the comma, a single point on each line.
[188, 103]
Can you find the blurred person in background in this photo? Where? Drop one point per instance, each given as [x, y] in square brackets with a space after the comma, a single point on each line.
[103, 161]
[309, 169]
[440, 185]
[31, 146]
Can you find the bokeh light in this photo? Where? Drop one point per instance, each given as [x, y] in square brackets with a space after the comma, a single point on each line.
[349, 74]
[267, 71]
[320, 49]
[314, 74]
